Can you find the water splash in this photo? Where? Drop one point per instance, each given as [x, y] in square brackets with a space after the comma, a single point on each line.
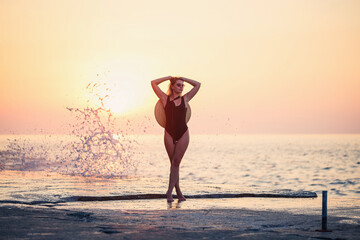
[23, 154]
[99, 144]
[101, 149]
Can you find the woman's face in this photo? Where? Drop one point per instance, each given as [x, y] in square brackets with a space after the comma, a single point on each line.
[178, 86]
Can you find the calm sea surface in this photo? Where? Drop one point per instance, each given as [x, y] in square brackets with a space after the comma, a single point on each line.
[49, 168]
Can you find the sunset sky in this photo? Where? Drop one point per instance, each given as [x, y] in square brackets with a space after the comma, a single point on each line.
[265, 66]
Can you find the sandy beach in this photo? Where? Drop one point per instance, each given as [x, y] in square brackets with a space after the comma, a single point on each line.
[287, 219]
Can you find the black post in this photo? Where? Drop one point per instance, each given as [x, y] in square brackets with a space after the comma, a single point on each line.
[324, 211]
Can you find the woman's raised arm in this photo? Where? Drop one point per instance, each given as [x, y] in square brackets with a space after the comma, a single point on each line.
[154, 83]
[188, 96]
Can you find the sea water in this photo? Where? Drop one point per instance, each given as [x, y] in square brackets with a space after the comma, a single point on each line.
[40, 169]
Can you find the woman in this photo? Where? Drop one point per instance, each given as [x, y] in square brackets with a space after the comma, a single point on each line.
[176, 137]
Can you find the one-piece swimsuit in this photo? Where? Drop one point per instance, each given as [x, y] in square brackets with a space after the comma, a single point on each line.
[175, 119]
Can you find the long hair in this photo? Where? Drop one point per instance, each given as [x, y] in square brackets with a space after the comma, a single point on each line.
[172, 82]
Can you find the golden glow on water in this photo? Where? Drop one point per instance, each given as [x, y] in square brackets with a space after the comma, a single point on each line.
[116, 137]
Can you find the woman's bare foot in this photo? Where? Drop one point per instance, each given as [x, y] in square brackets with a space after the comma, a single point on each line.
[180, 196]
[169, 197]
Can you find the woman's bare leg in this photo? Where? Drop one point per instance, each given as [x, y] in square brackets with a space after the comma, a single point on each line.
[179, 150]
[170, 148]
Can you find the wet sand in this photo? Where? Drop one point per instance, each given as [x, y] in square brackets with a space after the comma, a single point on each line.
[71, 221]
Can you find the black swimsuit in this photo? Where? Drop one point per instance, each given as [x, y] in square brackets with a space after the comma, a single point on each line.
[175, 119]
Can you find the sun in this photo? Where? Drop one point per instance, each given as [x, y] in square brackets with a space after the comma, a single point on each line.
[123, 98]
[120, 93]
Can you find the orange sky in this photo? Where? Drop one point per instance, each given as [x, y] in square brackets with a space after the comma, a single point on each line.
[265, 66]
